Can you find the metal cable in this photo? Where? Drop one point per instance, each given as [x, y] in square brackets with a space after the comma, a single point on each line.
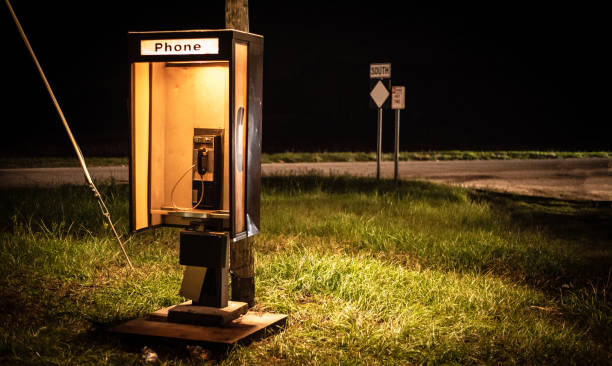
[77, 150]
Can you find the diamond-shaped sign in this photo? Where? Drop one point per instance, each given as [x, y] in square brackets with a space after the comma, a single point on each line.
[379, 94]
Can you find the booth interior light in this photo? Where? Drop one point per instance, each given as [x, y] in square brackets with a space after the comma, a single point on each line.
[195, 63]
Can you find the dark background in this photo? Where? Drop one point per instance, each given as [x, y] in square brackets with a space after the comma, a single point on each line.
[502, 76]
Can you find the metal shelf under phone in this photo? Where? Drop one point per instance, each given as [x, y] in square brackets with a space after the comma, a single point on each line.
[197, 214]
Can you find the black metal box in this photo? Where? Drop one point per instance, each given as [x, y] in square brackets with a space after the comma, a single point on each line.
[204, 249]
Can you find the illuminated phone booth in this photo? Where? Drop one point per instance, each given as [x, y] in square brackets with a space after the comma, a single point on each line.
[196, 108]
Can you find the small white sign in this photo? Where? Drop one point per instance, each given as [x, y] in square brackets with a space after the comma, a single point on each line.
[189, 46]
[398, 97]
[380, 71]
[379, 94]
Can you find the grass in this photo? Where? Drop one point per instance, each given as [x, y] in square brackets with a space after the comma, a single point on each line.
[369, 272]
[307, 157]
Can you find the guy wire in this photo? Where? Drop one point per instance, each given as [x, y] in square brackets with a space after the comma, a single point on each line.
[77, 150]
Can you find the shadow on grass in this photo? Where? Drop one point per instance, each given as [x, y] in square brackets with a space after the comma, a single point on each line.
[586, 225]
[166, 349]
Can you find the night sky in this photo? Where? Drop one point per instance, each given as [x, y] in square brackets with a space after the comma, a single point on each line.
[512, 76]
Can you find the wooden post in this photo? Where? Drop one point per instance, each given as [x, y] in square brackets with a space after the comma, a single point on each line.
[242, 263]
[237, 15]
[242, 271]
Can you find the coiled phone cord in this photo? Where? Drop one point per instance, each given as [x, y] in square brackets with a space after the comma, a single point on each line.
[176, 184]
[77, 150]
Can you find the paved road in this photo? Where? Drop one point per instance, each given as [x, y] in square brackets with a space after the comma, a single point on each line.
[33, 177]
[578, 179]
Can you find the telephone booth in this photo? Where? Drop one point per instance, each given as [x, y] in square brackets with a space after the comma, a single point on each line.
[196, 104]
[195, 163]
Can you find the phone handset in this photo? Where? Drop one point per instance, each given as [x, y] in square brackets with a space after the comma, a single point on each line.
[202, 160]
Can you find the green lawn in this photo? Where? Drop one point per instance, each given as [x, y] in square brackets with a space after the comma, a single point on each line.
[369, 272]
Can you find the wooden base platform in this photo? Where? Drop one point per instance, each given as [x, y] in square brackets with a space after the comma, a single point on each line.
[249, 326]
[206, 315]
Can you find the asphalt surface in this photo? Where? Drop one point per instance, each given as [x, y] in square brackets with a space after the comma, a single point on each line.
[573, 179]
[45, 177]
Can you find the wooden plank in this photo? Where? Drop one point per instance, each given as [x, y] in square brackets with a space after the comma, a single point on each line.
[161, 315]
[249, 325]
[206, 315]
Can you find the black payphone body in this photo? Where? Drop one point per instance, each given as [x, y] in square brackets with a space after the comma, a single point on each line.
[207, 169]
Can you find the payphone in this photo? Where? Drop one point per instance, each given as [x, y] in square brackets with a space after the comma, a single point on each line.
[207, 167]
[196, 108]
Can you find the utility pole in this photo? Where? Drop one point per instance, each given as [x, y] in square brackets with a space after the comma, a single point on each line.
[242, 262]
[237, 15]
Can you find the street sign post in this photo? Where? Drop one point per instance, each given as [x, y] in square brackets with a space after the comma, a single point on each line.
[398, 102]
[380, 90]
